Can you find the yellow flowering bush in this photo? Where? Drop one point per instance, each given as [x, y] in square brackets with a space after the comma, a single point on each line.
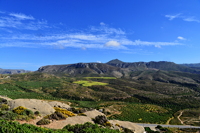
[64, 111]
[19, 109]
[107, 124]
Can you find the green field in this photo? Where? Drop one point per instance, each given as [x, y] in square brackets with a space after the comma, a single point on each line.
[143, 113]
[89, 83]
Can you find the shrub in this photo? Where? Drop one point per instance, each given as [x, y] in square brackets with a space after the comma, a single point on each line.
[27, 112]
[100, 119]
[19, 110]
[43, 122]
[4, 107]
[36, 113]
[8, 115]
[89, 128]
[64, 111]
[107, 124]
[56, 115]
[82, 114]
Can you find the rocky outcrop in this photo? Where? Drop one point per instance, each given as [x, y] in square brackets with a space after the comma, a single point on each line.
[33, 104]
[59, 104]
[93, 113]
[130, 125]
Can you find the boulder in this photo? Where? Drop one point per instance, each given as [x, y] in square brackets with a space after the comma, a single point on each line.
[6, 98]
[59, 104]
[70, 120]
[130, 125]
[93, 113]
[33, 104]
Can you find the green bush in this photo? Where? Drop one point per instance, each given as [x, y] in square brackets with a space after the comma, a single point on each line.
[4, 107]
[56, 115]
[36, 113]
[100, 119]
[43, 122]
[89, 128]
[15, 127]
[27, 112]
[8, 115]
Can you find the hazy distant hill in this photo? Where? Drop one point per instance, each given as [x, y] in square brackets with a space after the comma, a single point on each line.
[193, 65]
[12, 71]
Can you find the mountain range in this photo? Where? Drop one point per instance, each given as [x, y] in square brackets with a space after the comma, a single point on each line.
[115, 68]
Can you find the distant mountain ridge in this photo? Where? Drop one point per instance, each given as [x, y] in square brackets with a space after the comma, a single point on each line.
[114, 68]
[161, 65]
[12, 71]
[196, 65]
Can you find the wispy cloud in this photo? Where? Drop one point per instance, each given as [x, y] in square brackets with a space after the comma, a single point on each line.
[96, 37]
[149, 43]
[21, 16]
[21, 21]
[183, 17]
[191, 19]
[171, 17]
[181, 38]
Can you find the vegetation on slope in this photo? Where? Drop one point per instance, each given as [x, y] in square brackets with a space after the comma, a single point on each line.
[15, 127]
[172, 91]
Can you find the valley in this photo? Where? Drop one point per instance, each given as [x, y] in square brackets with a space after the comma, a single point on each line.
[154, 92]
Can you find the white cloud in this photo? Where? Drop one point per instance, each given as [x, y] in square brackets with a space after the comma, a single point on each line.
[94, 37]
[184, 18]
[21, 16]
[181, 38]
[171, 17]
[157, 46]
[107, 30]
[83, 48]
[148, 43]
[112, 44]
[17, 21]
[102, 23]
[191, 19]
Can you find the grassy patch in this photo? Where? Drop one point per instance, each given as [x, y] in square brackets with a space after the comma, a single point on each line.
[88, 83]
[100, 78]
[144, 113]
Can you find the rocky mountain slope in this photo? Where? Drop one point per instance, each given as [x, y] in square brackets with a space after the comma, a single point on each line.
[161, 65]
[114, 68]
[84, 69]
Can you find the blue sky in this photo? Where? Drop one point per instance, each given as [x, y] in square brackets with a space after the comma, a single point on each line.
[35, 33]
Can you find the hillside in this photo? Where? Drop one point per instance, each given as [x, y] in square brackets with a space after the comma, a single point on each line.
[161, 65]
[83, 69]
[114, 68]
[153, 92]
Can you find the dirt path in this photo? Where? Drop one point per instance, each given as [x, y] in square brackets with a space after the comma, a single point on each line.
[169, 120]
[178, 117]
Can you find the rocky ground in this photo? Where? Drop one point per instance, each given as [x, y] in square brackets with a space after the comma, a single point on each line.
[46, 108]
